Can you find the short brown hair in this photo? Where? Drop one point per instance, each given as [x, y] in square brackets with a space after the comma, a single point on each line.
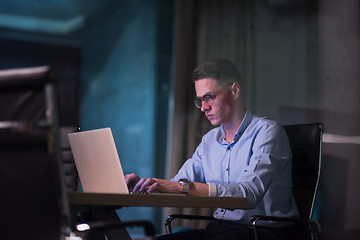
[223, 71]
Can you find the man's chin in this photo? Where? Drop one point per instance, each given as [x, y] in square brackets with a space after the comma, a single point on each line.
[214, 122]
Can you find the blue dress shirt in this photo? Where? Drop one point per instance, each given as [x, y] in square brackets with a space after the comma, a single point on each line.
[256, 165]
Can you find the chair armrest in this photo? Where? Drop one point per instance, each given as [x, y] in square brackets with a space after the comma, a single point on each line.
[254, 219]
[172, 217]
[313, 225]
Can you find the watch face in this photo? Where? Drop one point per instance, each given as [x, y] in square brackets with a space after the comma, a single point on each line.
[185, 183]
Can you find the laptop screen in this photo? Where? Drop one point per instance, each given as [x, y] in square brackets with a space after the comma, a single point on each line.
[97, 161]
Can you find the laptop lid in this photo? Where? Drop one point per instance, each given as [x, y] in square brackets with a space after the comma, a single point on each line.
[97, 161]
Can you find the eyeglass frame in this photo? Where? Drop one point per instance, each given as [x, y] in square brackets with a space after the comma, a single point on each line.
[208, 98]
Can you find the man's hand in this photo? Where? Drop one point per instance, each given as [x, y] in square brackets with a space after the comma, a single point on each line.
[131, 180]
[157, 185]
[137, 184]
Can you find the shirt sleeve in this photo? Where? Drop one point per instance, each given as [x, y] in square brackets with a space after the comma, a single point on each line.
[270, 155]
[192, 168]
[212, 190]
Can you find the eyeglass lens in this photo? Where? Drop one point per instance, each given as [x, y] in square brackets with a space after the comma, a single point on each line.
[207, 99]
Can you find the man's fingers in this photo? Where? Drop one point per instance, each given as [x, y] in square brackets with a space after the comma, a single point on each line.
[127, 179]
[131, 178]
[146, 184]
[153, 187]
[139, 185]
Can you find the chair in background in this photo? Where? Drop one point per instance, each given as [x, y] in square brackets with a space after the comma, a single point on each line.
[34, 204]
[71, 176]
[306, 146]
[34, 157]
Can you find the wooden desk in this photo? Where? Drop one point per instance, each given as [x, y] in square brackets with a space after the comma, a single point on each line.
[103, 205]
[155, 200]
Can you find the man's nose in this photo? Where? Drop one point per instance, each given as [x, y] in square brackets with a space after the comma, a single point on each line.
[204, 106]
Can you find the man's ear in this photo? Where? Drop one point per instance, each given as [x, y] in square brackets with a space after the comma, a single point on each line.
[236, 90]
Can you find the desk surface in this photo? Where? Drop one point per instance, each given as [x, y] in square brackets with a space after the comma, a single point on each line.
[155, 200]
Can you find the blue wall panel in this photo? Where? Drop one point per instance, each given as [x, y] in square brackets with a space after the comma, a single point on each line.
[118, 89]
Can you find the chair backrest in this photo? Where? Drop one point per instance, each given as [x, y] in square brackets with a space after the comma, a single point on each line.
[27, 95]
[306, 146]
[33, 203]
[71, 176]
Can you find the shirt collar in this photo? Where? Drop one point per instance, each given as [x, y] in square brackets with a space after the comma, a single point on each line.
[245, 122]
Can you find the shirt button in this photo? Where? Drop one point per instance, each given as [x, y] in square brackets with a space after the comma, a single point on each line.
[222, 210]
[228, 148]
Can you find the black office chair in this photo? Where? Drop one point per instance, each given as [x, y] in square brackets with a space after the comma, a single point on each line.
[34, 157]
[33, 203]
[306, 146]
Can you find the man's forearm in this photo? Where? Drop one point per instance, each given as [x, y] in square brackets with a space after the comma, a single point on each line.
[199, 189]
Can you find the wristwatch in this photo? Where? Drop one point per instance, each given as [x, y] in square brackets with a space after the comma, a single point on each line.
[185, 183]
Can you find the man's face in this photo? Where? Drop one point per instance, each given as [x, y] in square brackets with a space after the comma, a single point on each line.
[219, 111]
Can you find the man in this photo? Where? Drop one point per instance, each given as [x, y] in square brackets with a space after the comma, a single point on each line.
[246, 156]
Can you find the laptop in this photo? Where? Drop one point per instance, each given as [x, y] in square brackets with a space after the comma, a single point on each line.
[97, 161]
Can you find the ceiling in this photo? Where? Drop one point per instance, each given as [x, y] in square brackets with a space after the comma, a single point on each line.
[50, 16]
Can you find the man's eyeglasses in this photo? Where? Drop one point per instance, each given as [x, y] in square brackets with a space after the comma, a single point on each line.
[208, 99]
